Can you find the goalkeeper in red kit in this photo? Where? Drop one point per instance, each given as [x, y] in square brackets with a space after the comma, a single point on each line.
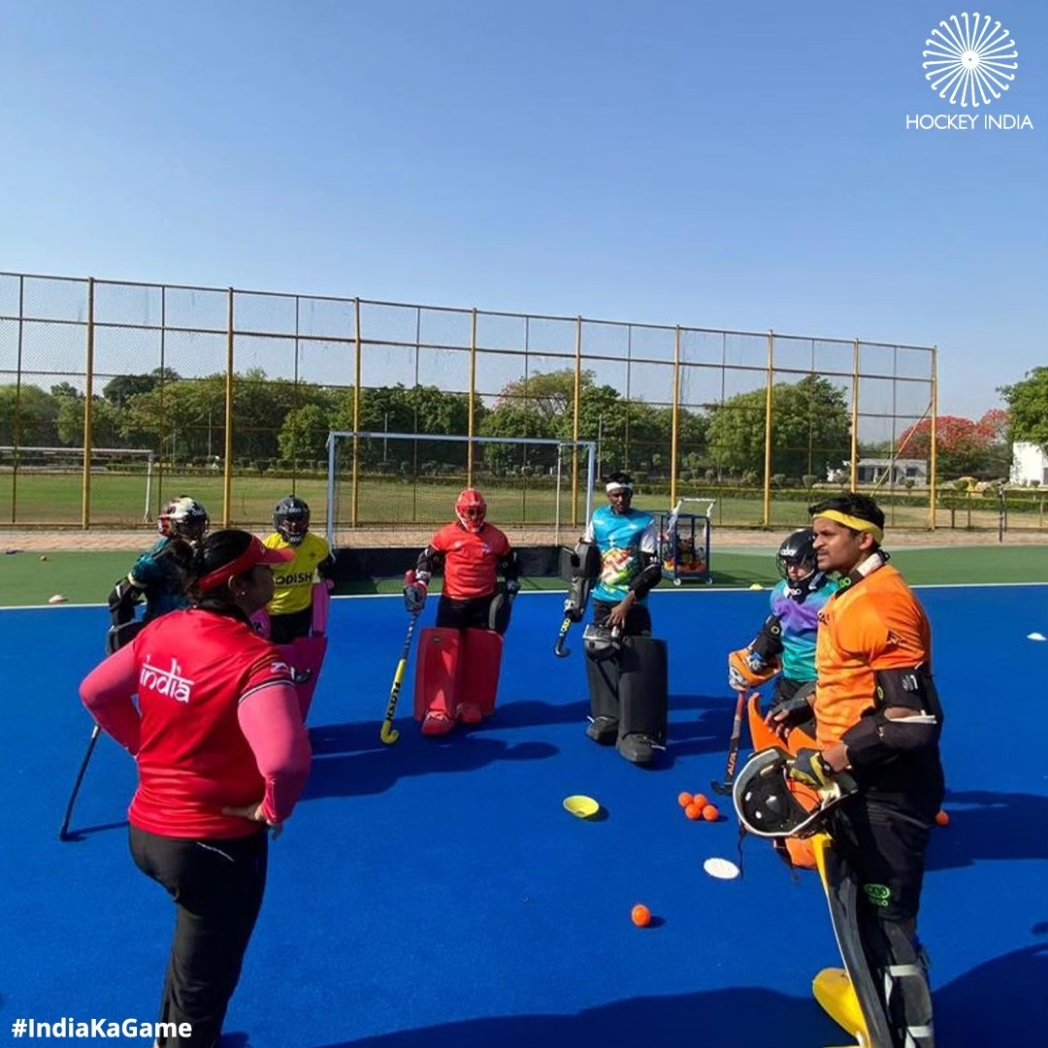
[453, 684]
[473, 553]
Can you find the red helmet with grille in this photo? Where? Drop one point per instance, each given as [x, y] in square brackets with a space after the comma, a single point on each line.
[471, 509]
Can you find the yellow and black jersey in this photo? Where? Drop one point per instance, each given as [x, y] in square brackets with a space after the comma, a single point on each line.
[294, 580]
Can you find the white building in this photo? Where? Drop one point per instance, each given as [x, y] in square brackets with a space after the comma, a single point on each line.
[885, 471]
[1029, 464]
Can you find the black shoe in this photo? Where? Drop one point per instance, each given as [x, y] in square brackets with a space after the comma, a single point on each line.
[604, 730]
[638, 748]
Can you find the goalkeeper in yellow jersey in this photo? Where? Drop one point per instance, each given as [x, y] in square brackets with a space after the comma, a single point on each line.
[291, 612]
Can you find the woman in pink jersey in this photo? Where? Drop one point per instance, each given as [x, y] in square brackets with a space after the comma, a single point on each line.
[222, 756]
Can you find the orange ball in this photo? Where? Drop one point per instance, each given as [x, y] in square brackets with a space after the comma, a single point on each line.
[640, 915]
[942, 819]
[710, 813]
[693, 811]
[684, 799]
[700, 799]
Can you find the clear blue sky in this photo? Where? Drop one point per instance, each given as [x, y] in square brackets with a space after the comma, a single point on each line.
[741, 165]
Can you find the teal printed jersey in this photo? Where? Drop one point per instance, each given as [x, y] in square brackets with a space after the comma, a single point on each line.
[800, 624]
[621, 539]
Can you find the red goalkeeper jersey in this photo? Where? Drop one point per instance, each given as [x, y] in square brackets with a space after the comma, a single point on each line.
[471, 559]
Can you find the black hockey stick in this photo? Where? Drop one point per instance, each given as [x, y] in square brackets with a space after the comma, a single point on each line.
[63, 833]
[724, 788]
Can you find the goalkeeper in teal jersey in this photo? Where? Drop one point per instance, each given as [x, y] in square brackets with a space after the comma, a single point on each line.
[786, 643]
[626, 667]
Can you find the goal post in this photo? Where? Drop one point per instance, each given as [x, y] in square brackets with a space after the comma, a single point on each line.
[407, 482]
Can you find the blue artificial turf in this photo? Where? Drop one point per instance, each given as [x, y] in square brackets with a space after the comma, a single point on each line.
[435, 893]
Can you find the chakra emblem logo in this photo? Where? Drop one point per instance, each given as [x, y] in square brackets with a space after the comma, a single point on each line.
[969, 60]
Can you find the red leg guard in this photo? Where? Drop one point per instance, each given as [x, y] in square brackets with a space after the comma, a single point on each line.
[439, 656]
[478, 683]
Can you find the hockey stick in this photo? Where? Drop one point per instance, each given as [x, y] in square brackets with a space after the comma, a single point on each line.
[559, 650]
[724, 788]
[389, 734]
[63, 833]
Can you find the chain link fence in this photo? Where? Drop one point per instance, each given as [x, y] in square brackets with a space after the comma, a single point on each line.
[229, 396]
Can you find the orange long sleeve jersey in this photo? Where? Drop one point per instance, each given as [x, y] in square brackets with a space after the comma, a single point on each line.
[875, 624]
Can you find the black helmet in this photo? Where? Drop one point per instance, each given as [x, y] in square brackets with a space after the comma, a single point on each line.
[797, 551]
[291, 519]
[767, 805]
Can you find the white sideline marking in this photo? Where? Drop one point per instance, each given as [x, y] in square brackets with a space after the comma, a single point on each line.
[676, 590]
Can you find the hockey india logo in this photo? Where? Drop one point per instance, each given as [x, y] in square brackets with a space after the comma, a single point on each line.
[970, 60]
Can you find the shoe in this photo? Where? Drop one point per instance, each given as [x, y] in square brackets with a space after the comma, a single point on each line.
[638, 748]
[604, 730]
[469, 713]
[436, 723]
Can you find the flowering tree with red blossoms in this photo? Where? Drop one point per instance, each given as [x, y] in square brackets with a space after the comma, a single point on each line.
[965, 448]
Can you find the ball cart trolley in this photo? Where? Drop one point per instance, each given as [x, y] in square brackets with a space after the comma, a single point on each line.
[684, 543]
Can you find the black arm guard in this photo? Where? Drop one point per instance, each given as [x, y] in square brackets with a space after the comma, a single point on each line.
[649, 577]
[326, 568]
[429, 561]
[122, 601]
[878, 738]
[509, 569]
[582, 562]
[768, 643]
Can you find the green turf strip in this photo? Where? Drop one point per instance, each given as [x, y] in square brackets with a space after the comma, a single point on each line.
[87, 578]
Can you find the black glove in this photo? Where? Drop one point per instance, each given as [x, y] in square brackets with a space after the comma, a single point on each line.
[512, 589]
[790, 712]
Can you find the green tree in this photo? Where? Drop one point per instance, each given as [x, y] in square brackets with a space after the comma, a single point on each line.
[182, 419]
[28, 417]
[122, 388]
[1028, 406]
[106, 431]
[303, 436]
[812, 429]
[549, 395]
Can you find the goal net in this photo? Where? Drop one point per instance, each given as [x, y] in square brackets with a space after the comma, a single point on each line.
[44, 484]
[403, 485]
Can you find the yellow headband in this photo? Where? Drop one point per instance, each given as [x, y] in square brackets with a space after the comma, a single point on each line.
[855, 523]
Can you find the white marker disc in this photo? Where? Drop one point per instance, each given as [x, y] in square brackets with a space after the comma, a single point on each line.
[1036, 636]
[722, 869]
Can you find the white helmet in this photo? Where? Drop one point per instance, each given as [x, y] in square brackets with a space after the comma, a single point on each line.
[185, 518]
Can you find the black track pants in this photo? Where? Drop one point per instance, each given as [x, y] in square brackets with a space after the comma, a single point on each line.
[217, 886]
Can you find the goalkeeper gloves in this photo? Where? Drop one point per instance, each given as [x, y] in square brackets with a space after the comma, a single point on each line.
[811, 769]
[416, 590]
